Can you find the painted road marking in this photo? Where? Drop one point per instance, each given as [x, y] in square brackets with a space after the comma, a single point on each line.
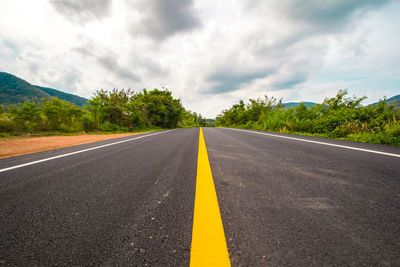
[208, 238]
[320, 143]
[77, 152]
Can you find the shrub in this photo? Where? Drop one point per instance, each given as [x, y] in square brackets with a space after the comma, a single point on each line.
[337, 117]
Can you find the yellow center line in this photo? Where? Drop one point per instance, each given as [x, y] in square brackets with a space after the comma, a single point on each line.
[208, 238]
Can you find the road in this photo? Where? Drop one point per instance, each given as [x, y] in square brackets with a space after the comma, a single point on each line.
[283, 202]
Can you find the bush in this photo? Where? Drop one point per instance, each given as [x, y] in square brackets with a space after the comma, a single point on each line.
[110, 127]
[393, 132]
[337, 117]
[115, 110]
[5, 124]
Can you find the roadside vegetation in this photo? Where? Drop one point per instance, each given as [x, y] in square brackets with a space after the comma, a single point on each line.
[108, 111]
[339, 117]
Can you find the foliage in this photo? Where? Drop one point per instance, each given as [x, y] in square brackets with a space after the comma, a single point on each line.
[108, 111]
[74, 99]
[27, 117]
[61, 116]
[48, 115]
[337, 117]
[192, 119]
[126, 110]
[159, 108]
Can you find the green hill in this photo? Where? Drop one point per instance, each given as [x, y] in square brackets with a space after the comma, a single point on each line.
[77, 100]
[14, 90]
[394, 100]
[295, 104]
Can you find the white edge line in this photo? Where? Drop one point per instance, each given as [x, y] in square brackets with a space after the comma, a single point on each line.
[317, 142]
[79, 151]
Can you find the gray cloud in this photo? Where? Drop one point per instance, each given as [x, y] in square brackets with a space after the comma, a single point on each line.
[9, 52]
[228, 81]
[309, 19]
[150, 66]
[305, 21]
[163, 19]
[330, 15]
[12, 46]
[84, 51]
[33, 67]
[108, 61]
[82, 10]
[66, 80]
[323, 16]
[290, 82]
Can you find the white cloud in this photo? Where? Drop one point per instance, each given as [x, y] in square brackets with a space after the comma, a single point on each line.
[209, 53]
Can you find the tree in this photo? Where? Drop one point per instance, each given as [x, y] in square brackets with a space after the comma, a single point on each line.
[61, 115]
[159, 108]
[27, 117]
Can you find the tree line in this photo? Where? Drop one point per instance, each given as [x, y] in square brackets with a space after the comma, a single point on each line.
[117, 110]
[337, 117]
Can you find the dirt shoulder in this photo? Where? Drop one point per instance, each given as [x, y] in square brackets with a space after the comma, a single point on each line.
[17, 147]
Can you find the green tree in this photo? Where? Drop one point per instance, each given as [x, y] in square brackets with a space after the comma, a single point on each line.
[27, 117]
[61, 115]
[339, 117]
[159, 108]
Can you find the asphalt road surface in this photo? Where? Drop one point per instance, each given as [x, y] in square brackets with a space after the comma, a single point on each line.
[283, 202]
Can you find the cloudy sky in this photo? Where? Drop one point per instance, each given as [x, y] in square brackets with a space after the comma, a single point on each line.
[208, 53]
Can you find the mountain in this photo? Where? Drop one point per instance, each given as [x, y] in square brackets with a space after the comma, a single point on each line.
[77, 100]
[14, 90]
[394, 100]
[295, 104]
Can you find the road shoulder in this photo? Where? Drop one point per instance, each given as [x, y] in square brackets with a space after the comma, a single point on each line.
[18, 147]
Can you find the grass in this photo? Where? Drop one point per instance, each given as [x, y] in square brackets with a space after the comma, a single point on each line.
[374, 138]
